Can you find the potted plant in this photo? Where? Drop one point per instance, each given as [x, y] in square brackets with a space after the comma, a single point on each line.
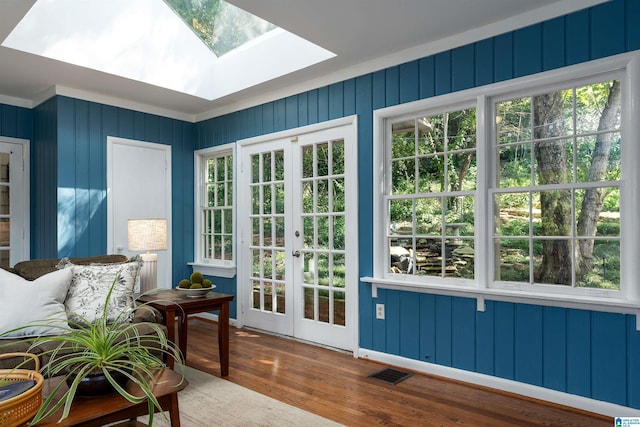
[114, 351]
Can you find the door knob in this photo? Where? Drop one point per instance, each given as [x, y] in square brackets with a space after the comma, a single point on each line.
[296, 254]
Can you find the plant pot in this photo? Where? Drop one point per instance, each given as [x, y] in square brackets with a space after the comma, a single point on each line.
[97, 384]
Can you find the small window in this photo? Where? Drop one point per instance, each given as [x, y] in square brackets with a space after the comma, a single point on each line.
[215, 239]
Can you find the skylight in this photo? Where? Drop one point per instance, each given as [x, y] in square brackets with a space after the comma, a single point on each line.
[146, 40]
[220, 25]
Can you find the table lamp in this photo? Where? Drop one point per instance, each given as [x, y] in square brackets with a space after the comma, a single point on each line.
[148, 235]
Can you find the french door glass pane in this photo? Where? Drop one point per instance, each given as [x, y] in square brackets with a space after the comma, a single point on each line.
[4, 167]
[337, 195]
[322, 165]
[309, 275]
[4, 258]
[309, 303]
[5, 232]
[323, 232]
[4, 200]
[339, 313]
[338, 233]
[337, 149]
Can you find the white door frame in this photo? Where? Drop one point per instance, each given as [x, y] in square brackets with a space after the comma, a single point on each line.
[111, 141]
[21, 199]
[244, 236]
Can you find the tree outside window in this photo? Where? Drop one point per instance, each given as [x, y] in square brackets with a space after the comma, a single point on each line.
[554, 166]
[557, 198]
[217, 210]
[432, 195]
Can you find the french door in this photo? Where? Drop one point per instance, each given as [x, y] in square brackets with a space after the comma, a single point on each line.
[297, 215]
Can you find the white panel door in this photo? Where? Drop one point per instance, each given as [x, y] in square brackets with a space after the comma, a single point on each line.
[297, 215]
[138, 186]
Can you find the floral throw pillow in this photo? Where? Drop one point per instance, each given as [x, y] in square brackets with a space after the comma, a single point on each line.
[90, 286]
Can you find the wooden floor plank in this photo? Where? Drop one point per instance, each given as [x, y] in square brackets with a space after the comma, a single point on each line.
[337, 386]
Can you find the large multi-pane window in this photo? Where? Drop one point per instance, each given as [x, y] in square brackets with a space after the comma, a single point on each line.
[518, 187]
[215, 219]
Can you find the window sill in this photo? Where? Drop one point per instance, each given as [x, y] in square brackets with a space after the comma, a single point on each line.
[594, 303]
[214, 270]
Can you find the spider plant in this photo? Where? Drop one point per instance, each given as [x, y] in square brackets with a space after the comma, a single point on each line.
[104, 348]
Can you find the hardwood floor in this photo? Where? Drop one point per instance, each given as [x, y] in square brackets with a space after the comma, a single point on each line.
[336, 386]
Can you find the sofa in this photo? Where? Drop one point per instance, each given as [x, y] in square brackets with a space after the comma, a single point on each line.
[44, 275]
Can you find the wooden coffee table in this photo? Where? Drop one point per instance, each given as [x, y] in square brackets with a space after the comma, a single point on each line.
[174, 305]
[110, 408]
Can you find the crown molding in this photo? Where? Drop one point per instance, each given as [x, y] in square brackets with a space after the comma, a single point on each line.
[70, 92]
[16, 102]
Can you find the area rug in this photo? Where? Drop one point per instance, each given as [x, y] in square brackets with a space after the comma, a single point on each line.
[210, 401]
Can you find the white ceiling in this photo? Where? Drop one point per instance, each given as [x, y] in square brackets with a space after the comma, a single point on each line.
[366, 35]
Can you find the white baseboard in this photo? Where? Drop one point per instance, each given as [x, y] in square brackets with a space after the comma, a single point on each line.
[572, 400]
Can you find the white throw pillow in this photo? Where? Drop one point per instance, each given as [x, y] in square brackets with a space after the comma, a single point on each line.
[90, 285]
[39, 303]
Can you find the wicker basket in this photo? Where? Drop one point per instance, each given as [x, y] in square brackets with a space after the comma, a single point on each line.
[20, 409]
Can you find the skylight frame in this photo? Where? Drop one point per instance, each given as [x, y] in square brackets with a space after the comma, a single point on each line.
[147, 42]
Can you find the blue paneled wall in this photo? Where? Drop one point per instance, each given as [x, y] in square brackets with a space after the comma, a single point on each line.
[44, 183]
[69, 208]
[16, 122]
[591, 354]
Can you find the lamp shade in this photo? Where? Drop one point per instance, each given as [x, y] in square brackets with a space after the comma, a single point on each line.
[148, 234]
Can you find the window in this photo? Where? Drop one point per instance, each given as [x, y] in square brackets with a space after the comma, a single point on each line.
[431, 195]
[215, 230]
[516, 190]
[556, 199]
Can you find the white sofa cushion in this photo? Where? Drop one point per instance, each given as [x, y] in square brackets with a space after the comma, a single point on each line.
[36, 307]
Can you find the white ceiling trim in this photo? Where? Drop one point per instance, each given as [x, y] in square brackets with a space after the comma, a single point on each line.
[112, 101]
[97, 98]
[16, 102]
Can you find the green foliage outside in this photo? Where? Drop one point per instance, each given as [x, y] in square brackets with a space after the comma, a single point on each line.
[434, 173]
[323, 217]
[220, 25]
[432, 206]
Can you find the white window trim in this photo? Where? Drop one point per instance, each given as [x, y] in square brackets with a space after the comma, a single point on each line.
[211, 268]
[21, 221]
[627, 300]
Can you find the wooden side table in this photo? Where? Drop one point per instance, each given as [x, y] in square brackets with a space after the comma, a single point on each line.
[173, 304]
[110, 408]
